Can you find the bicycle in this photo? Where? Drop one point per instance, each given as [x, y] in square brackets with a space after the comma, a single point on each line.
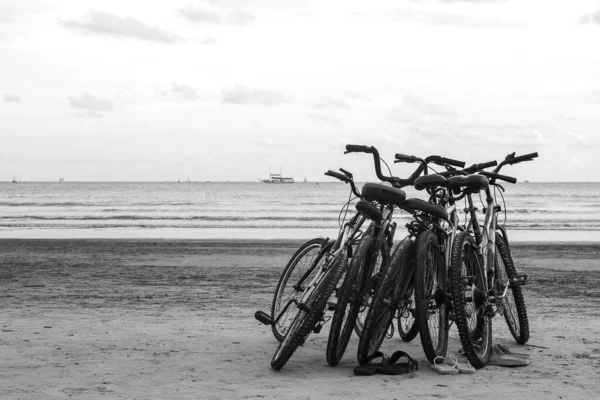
[370, 259]
[318, 283]
[479, 280]
[393, 290]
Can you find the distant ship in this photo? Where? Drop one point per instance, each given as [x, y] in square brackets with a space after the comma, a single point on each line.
[14, 179]
[277, 178]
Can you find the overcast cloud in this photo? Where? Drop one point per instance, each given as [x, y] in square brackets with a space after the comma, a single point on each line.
[89, 102]
[240, 94]
[105, 23]
[11, 98]
[472, 80]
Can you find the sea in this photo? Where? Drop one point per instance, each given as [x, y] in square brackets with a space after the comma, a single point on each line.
[249, 210]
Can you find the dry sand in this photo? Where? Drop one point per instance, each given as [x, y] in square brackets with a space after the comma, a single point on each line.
[174, 320]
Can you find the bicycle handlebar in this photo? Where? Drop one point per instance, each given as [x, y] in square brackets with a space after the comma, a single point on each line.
[337, 175]
[395, 181]
[439, 160]
[355, 148]
[494, 176]
[470, 170]
[511, 159]
[347, 173]
[405, 158]
[347, 178]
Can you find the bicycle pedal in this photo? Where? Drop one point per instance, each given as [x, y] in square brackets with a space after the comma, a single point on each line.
[520, 280]
[263, 318]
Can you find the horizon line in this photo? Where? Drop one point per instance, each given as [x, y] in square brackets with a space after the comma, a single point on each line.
[230, 181]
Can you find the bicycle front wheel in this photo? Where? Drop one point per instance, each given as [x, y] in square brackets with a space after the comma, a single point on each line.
[348, 304]
[297, 274]
[430, 295]
[515, 312]
[470, 300]
[309, 312]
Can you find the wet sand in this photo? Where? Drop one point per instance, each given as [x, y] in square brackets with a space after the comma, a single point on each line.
[174, 319]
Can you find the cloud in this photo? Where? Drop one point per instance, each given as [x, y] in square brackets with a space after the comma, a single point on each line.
[91, 103]
[582, 142]
[203, 16]
[89, 114]
[464, 1]
[328, 102]
[425, 107]
[11, 98]
[112, 25]
[183, 90]
[240, 18]
[415, 110]
[240, 94]
[199, 14]
[593, 18]
[328, 119]
[7, 14]
[354, 95]
[438, 18]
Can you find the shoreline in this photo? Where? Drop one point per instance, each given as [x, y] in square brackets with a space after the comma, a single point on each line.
[515, 235]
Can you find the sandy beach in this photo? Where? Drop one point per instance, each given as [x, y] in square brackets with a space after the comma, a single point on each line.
[174, 319]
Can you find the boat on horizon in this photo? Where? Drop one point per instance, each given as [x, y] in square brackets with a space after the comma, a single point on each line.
[14, 179]
[276, 178]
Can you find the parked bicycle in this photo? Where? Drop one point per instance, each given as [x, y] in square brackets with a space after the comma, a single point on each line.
[483, 284]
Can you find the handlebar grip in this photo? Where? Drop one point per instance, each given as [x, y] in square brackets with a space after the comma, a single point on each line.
[337, 175]
[486, 165]
[505, 178]
[405, 158]
[355, 148]
[454, 163]
[495, 175]
[347, 173]
[526, 157]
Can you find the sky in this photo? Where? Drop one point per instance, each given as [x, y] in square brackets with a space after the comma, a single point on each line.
[227, 90]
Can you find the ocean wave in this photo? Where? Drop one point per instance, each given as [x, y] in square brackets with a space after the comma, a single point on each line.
[169, 218]
[90, 204]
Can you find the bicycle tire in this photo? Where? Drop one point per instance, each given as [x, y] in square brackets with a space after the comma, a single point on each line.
[408, 328]
[306, 257]
[515, 311]
[349, 301]
[471, 315]
[305, 321]
[387, 293]
[430, 295]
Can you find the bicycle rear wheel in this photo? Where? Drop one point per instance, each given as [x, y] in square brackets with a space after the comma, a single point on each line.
[388, 291]
[469, 297]
[349, 301]
[298, 273]
[430, 295]
[309, 313]
[515, 312]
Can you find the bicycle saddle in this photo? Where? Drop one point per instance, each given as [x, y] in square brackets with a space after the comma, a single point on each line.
[473, 183]
[422, 205]
[383, 194]
[369, 210]
[427, 181]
